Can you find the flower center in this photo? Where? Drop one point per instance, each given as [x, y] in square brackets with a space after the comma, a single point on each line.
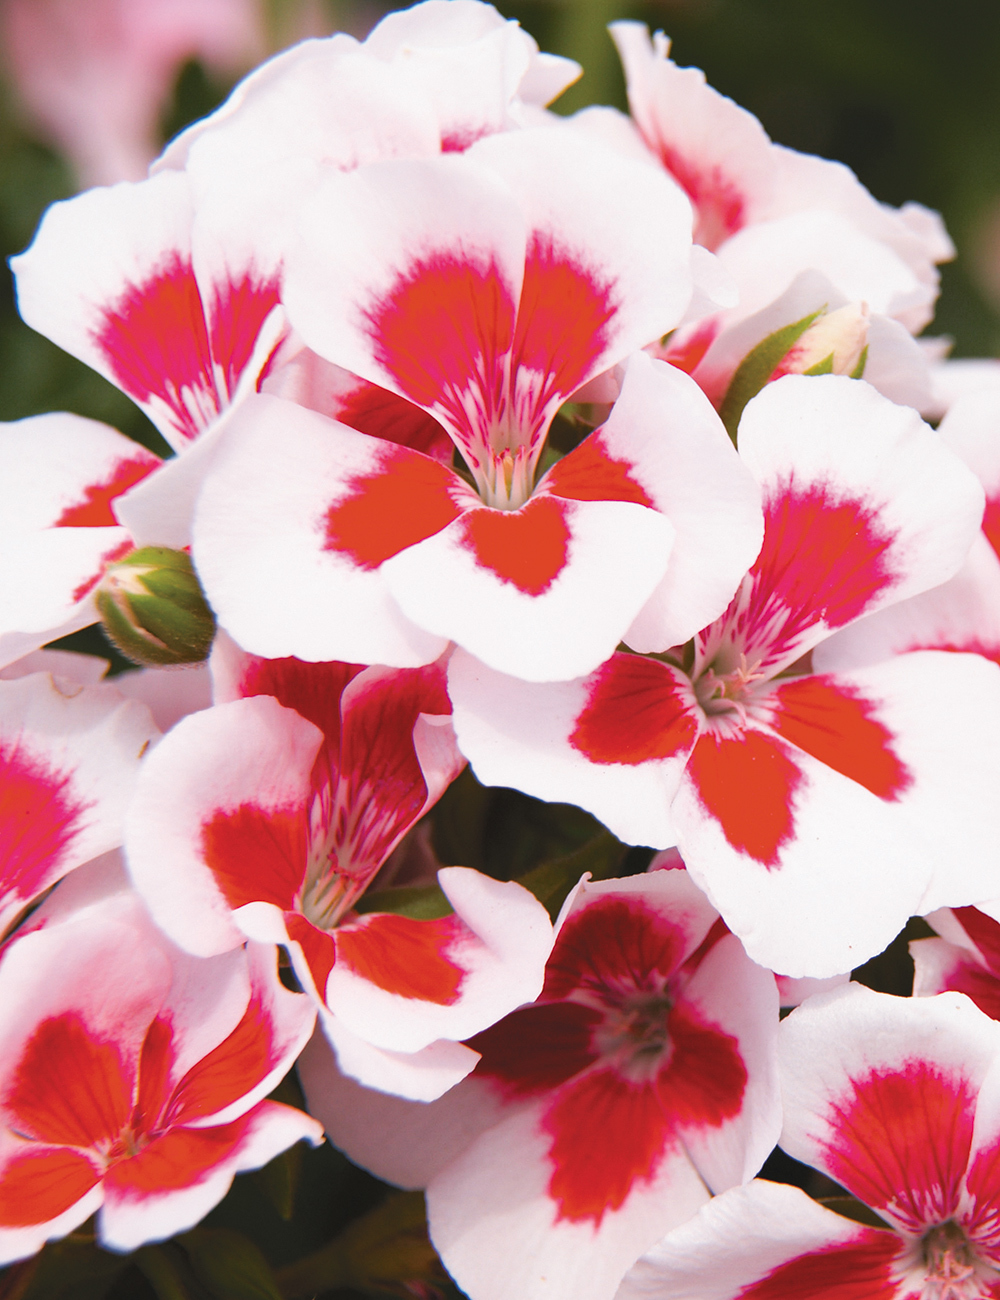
[952, 1268]
[727, 692]
[634, 1033]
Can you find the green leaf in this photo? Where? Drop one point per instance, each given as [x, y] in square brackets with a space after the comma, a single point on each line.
[279, 1180]
[426, 903]
[551, 882]
[228, 1265]
[757, 367]
[164, 1270]
[75, 1268]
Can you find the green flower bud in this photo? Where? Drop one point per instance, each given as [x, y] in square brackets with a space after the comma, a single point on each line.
[153, 608]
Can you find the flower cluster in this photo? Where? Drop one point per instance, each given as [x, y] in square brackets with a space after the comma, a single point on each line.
[590, 452]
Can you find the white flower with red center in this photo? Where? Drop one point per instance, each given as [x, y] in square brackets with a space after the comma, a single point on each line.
[133, 1078]
[254, 820]
[898, 1101]
[69, 758]
[793, 795]
[485, 289]
[642, 1079]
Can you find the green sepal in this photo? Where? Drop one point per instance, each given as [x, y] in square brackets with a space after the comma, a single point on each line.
[758, 366]
[824, 367]
[859, 370]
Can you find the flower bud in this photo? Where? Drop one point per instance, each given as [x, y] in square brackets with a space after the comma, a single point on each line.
[153, 608]
[836, 343]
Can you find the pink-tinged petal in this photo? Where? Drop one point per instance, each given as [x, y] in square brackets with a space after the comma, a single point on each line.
[41, 1184]
[400, 1141]
[169, 693]
[663, 446]
[484, 1198]
[60, 470]
[856, 489]
[220, 819]
[254, 525]
[614, 743]
[941, 967]
[969, 430]
[544, 592]
[68, 759]
[770, 1242]
[880, 1094]
[171, 1184]
[475, 967]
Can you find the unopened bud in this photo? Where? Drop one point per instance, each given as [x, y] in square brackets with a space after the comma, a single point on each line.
[153, 608]
[836, 343]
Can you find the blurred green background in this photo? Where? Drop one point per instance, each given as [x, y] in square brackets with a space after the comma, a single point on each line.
[906, 92]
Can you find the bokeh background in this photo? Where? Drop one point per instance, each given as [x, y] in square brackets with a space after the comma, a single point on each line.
[907, 92]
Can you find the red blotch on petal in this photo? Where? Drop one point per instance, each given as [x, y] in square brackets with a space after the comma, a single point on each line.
[239, 309]
[404, 956]
[527, 547]
[226, 1073]
[982, 986]
[318, 948]
[635, 713]
[614, 943]
[748, 784]
[687, 355]
[70, 1088]
[313, 690]
[702, 1082]
[182, 1157]
[408, 498]
[257, 854]
[39, 820]
[37, 1186]
[155, 1063]
[94, 511]
[537, 1048]
[831, 720]
[383, 414]
[901, 1140]
[859, 1270]
[720, 207]
[991, 522]
[109, 557]
[590, 474]
[984, 933]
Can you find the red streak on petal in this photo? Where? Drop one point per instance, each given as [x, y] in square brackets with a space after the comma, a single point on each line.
[527, 547]
[182, 1157]
[382, 414]
[635, 713]
[614, 944]
[857, 1270]
[403, 956]
[115, 553]
[406, 499]
[831, 720]
[606, 1135]
[229, 1071]
[720, 208]
[902, 1137]
[984, 933]
[239, 309]
[155, 341]
[257, 854]
[590, 474]
[991, 522]
[748, 785]
[94, 511]
[40, 817]
[537, 1048]
[71, 1087]
[37, 1186]
[318, 948]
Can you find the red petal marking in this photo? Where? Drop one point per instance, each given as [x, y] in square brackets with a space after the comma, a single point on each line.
[37, 1186]
[257, 854]
[901, 1141]
[537, 1048]
[156, 344]
[984, 933]
[748, 784]
[407, 498]
[313, 690]
[606, 1135]
[720, 207]
[832, 720]
[614, 943]
[179, 1158]
[404, 956]
[115, 553]
[527, 547]
[70, 1088]
[318, 948]
[229, 1071]
[822, 560]
[563, 328]
[239, 309]
[155, 1063]
[40, 817]
[982, 986]
[635, 713]
[382, 414]
[442, 332]
[991, 522]
[702, 1082]
[858, 1270]
[94, 511]
[983, 1185]
[590, 474]
[688, 353]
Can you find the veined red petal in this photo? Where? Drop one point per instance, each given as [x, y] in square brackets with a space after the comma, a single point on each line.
[70, 1088]
[155, 1063]
[527, 547]
[536, 1048]
[37, 1186]
[94, 510]
[590, 474]
[181, 1157]
[831, 720]
[384, 414]
[228, 1072]
[748, 784]
[857, 1270]
[239, 309]
[634, 713]
[39, 820]
[404, 956]
[407, 499]
[257, 854]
